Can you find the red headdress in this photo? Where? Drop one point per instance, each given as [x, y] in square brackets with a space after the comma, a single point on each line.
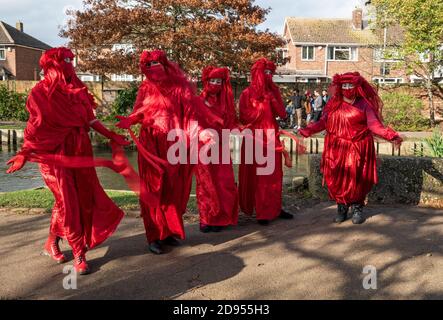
[172, 69]
[363, 90]
[226, 96]
[61, 74]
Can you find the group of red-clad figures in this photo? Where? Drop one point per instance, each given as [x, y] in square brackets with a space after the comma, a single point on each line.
[61, 114]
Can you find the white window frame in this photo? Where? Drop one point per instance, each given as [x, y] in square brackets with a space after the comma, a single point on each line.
[378, 56]
[307, 48]
[4, 53]
[388, 80]
[351, 49]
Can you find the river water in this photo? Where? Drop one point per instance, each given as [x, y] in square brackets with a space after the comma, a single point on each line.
[29, 177]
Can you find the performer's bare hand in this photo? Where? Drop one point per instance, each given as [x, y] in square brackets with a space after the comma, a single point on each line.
[17, 162]
[397, 142]
[124, 123]
[120, 140]
[303, 133]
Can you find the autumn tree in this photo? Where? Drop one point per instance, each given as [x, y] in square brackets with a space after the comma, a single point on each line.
[194, 33]
[422, 49]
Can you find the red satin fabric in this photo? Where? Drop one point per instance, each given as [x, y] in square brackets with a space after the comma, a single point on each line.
[262, 192]
[349, 157]
[217, 194]
[161, 107]
[56, 133]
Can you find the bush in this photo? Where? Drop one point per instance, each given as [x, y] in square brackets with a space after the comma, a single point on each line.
[403, 112]
[435, 144]
[12, 105]
[123, 103]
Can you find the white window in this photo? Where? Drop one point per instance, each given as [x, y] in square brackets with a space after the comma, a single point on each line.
[388, 80]
[308, 53]
[2, 54]
[122, 77]
[87, 78]
[342, 54]
[125, 48]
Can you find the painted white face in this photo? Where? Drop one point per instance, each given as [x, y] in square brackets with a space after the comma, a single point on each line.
[216, 81]
[347, 86]
[68, 60]
[268, 72]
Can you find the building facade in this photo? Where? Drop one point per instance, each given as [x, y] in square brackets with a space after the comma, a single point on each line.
[319, 48]
[19, 53]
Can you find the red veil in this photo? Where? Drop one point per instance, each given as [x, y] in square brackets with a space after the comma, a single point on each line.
[364, 90]
[57, 104]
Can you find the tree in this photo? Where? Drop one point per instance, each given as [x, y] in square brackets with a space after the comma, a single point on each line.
[194, 33]
[422, 49]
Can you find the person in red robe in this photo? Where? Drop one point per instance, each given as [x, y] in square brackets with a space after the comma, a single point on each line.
[260, 104]
[60, 117]
[165, 103]
[217, 194]
[351, 118]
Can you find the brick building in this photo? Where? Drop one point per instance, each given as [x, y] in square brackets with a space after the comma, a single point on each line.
[19, 53]
[320, 48]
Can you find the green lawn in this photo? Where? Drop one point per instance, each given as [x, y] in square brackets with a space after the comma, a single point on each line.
[43, 199]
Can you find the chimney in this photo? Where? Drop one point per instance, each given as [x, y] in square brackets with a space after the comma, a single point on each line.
[19, 26]
[357, 18]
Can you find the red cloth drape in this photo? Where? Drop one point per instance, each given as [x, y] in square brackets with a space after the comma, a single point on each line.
[217, 193]
[349, 158]
[262, 192]
[57, 137]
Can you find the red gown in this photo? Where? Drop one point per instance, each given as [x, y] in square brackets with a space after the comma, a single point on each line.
[160, 112]
[349, 159]
[82, 213]
[217, 194]
[262, 192]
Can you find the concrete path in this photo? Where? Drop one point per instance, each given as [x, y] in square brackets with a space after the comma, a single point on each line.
[306, 258]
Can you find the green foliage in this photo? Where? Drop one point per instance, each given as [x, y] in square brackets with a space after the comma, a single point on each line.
[123, 103]
[435, 144]
[12, 105]
[403, 112]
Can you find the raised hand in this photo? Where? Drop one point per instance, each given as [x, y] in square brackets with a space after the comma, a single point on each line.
[17, 162]
[124, 123]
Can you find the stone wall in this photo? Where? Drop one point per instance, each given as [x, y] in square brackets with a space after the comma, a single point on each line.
[402, 180]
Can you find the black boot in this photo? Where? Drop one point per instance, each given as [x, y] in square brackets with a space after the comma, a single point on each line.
[357, 214]
[285, 215]
[263, 222]
[155, 247]
[342, 213]
[171, 241]
[205, 228]
[216, 228]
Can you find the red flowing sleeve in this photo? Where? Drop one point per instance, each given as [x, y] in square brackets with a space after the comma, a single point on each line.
[377, 127]
[278, 106]
[315, 127]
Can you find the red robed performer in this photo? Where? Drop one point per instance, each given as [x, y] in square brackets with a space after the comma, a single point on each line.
[56, 136]
[166, 101]
[217, 194]
[350, 119]
[260, 104]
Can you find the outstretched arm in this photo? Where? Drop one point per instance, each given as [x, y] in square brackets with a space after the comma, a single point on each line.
[315, 127]
[377, 127]
[100, 128]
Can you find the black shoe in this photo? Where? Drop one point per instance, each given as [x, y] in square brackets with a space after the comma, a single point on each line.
[342, 213]
[155, 247]
[171, 241]
[216, 228]
[357, 214]
[205, 228]
[286, 215]
[263, 222]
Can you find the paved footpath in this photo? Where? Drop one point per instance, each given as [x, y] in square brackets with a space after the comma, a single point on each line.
[306, 258]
